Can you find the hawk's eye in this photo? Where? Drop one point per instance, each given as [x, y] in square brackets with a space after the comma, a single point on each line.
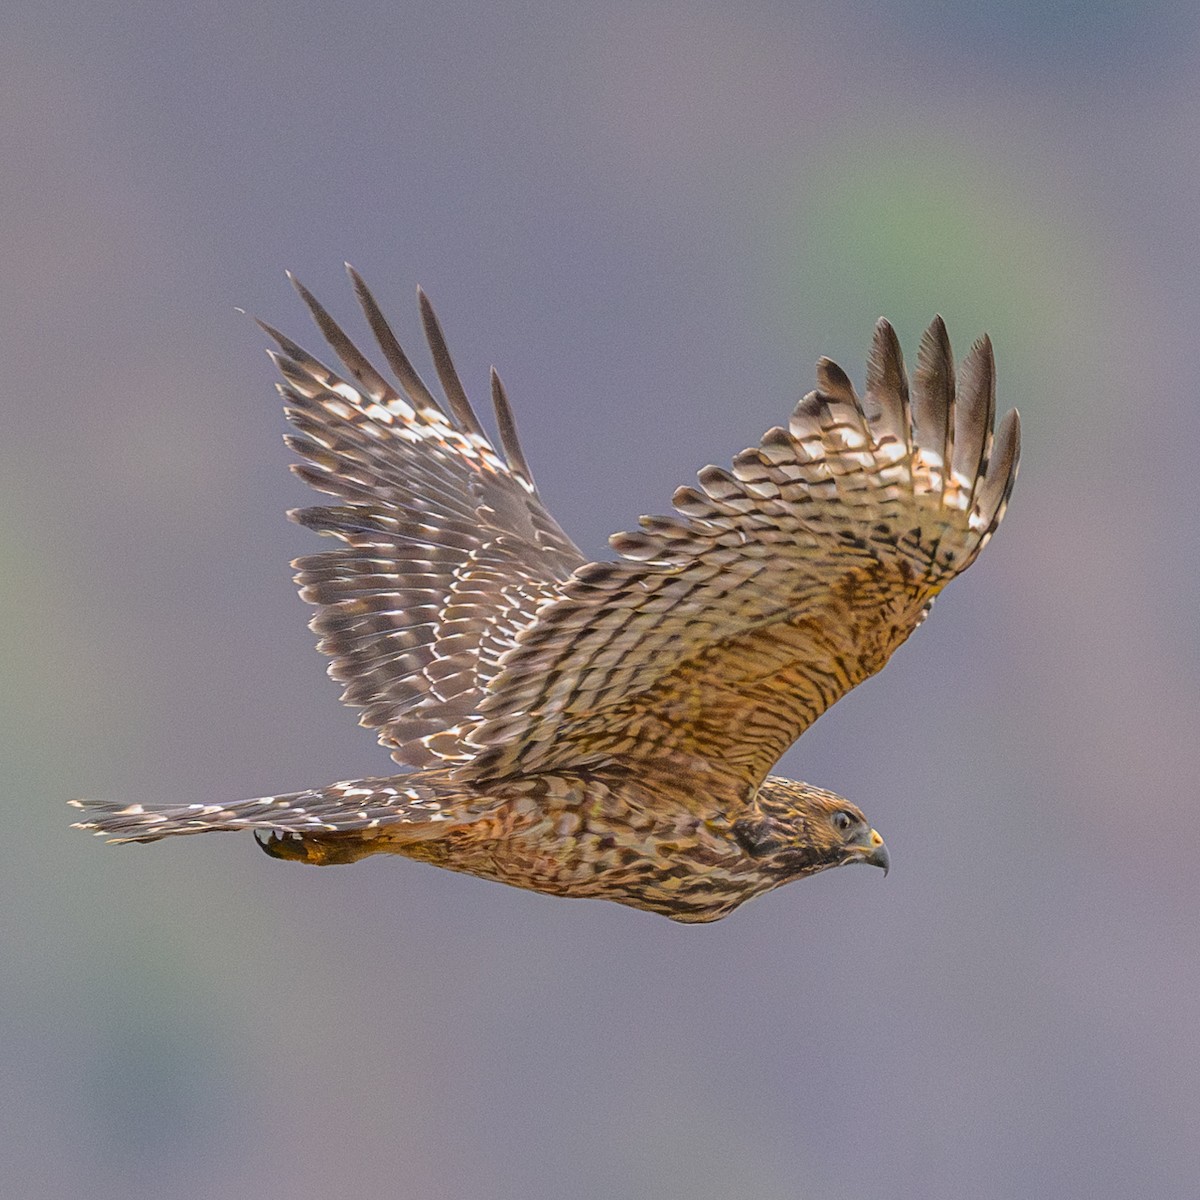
[843, 820]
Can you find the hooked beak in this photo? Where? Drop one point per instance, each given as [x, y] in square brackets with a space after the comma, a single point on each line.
[873, 851]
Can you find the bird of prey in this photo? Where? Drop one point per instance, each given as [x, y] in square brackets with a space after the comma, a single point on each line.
[606, 729]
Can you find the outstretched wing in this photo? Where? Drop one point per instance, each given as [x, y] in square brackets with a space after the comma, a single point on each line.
[724, 631]
[448, 549]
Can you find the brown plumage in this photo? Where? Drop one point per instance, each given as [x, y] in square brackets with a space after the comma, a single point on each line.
[606, 729]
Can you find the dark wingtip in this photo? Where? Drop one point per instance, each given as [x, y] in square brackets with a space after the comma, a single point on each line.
[272, 333]
[887, 385]
[456, 395]
[833, 382]
[352, 357]
[934, 355]
[406, 373]
[1001, 468]
[1014, 417]
[304, 293]
[885, 362]
[933, 400]
[974, 412]
[507, 424]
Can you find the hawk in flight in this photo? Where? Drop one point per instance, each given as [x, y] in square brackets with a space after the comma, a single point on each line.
[606, 729]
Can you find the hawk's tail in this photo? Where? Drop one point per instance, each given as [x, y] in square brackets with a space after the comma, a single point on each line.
[352, 807]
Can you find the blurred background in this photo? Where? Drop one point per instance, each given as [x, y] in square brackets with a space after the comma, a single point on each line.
[652, 218]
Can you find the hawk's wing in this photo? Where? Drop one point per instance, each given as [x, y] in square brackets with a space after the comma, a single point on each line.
[448, 549]
[724, 631]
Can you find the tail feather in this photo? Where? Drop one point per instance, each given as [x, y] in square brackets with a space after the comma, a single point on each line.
[356, 805]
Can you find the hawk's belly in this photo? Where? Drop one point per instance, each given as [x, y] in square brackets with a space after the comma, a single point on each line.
[582, 837]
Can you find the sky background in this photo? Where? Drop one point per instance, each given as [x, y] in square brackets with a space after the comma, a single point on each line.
[652, 218]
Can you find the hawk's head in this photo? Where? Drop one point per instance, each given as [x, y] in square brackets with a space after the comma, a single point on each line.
[800, 830]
